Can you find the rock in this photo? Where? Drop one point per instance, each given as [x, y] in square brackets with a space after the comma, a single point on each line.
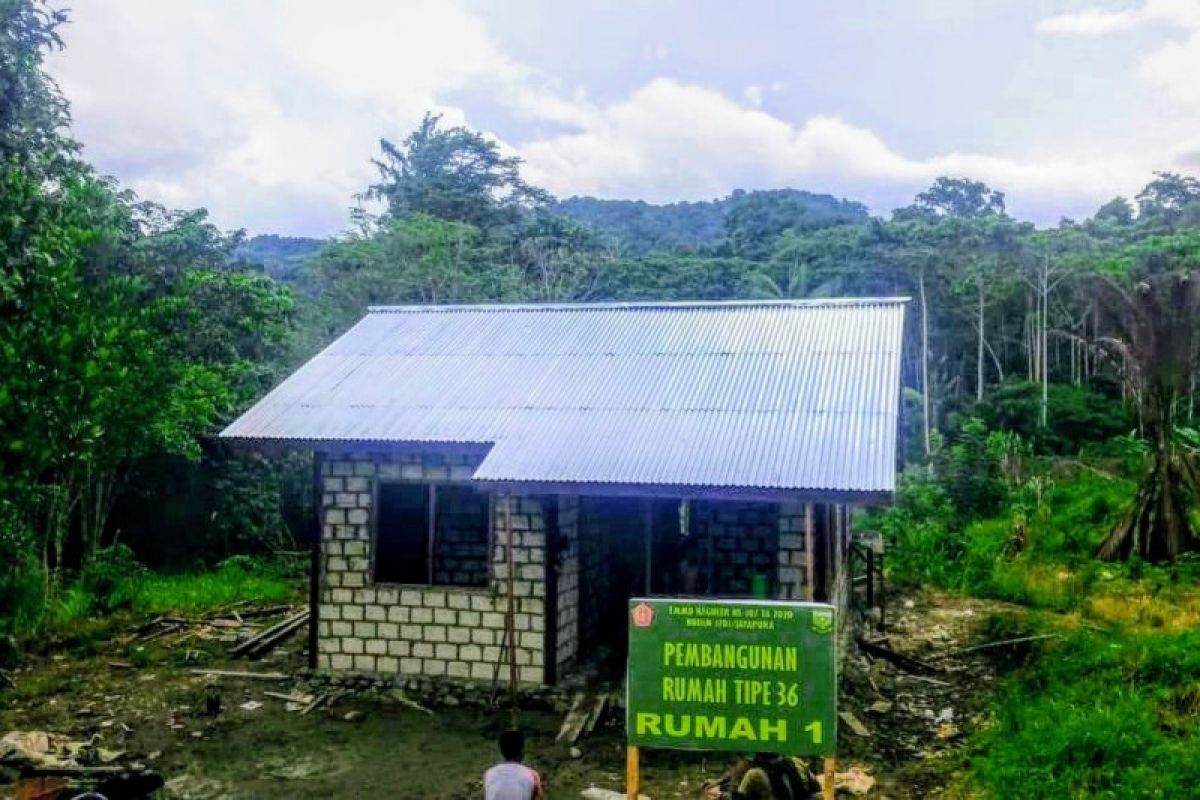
[351, 716]
[576, 752]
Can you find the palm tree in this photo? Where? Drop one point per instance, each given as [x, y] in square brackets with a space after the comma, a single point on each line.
[1158, 325]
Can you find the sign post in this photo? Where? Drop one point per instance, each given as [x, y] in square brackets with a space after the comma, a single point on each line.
[746, 676]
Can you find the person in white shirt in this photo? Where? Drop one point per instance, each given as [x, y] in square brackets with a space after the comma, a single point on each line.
[511, 779]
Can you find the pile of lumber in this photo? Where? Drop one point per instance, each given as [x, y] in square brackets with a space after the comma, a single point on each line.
[264, 642]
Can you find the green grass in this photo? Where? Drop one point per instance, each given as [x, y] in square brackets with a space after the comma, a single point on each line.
[1097, 715]
[85, 607]
[200, 592]
[1110, 708]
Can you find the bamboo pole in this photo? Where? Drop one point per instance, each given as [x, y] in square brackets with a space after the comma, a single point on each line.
[828, 790]
[633, 776]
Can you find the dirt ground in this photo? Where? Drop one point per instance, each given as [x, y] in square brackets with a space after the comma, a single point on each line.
[148, 706]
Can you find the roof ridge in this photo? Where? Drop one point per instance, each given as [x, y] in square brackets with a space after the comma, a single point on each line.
[637, 305]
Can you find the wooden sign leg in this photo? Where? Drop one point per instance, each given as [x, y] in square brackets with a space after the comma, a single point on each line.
[633, 778]
[827, 788]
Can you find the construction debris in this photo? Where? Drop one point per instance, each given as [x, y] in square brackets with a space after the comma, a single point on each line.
[854, 723]
[228, 673]
[262, 643]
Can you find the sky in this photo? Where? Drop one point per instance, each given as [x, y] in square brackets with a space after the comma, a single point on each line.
[268, 112]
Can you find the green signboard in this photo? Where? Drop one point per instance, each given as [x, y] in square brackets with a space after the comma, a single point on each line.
[742, 675]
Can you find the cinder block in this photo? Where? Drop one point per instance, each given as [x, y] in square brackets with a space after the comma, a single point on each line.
[458, 634]
[376, 647]
[410, 666]
[434, 633]
[376, 613]
[433, 666]
[353, 613]
[422, 615]
[387, 630]
[396, 647]
[411, 632]
[339, 628]
[365, 630]
[470, 652]
[387, 665]
[352, 644]
[446, 651]
[422, 650]
[398, 614]
[458, 669]
[341, 661]
[364, 663]
[445, 616]
[410, 597]
[458, 600]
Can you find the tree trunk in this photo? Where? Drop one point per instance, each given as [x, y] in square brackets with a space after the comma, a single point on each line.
[924, 359]
[979, 350]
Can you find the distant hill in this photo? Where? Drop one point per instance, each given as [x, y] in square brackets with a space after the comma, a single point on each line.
[737, 220]
[278, 255]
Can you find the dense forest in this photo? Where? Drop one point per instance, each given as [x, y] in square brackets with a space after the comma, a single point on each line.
[132, 332]
[1048, 400]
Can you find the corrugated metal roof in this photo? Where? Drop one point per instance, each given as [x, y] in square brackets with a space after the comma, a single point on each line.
[792, 395]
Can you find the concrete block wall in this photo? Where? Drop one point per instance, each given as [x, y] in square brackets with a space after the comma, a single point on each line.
[790, 580]
[437, 631]
[740, 539]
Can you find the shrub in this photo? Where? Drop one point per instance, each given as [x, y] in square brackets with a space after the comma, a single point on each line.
[111, 578]
[1076, 415]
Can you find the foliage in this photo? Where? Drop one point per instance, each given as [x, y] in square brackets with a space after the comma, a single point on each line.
[1080, 415]
[970, 470]
[454, 174]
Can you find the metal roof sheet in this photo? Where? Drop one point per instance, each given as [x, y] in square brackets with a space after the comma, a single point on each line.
[791, 395]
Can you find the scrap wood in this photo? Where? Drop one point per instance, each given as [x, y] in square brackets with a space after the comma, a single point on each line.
[904, 662]
[962, 651]
[291, 698]
[404, 700]
[324, 699]
[262, 643]
[574, 720]
[597, 712]
[228, 673]
[854, 723]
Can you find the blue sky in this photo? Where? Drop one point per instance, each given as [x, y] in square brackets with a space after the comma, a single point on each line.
[267, 111]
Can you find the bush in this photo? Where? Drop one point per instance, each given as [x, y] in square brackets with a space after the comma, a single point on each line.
[970, 469]
[1076, 415]
[111, 578]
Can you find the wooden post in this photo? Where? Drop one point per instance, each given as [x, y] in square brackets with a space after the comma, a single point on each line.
[314, 567]
[633, 777]
[810, 547]
[511, 616]
[828, 790]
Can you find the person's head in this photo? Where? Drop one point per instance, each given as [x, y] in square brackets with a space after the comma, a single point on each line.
[512, 745]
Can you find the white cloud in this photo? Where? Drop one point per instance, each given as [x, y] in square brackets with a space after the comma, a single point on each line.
[268, 112]
[1090, 22]
[265, 112]
[1172, 65]
[671, 141]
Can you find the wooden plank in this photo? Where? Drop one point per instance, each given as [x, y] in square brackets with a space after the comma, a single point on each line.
[573, 720]
[228, 673]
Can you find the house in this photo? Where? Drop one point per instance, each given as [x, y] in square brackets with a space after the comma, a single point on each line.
[572, 456]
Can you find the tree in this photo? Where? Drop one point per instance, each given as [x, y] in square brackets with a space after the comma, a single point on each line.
[960, 197]
[1156, 343]
[33, 113]
[454, 174]
[1169, 201]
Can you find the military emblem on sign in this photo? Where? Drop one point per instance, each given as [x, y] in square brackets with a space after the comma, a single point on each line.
[643, 615]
